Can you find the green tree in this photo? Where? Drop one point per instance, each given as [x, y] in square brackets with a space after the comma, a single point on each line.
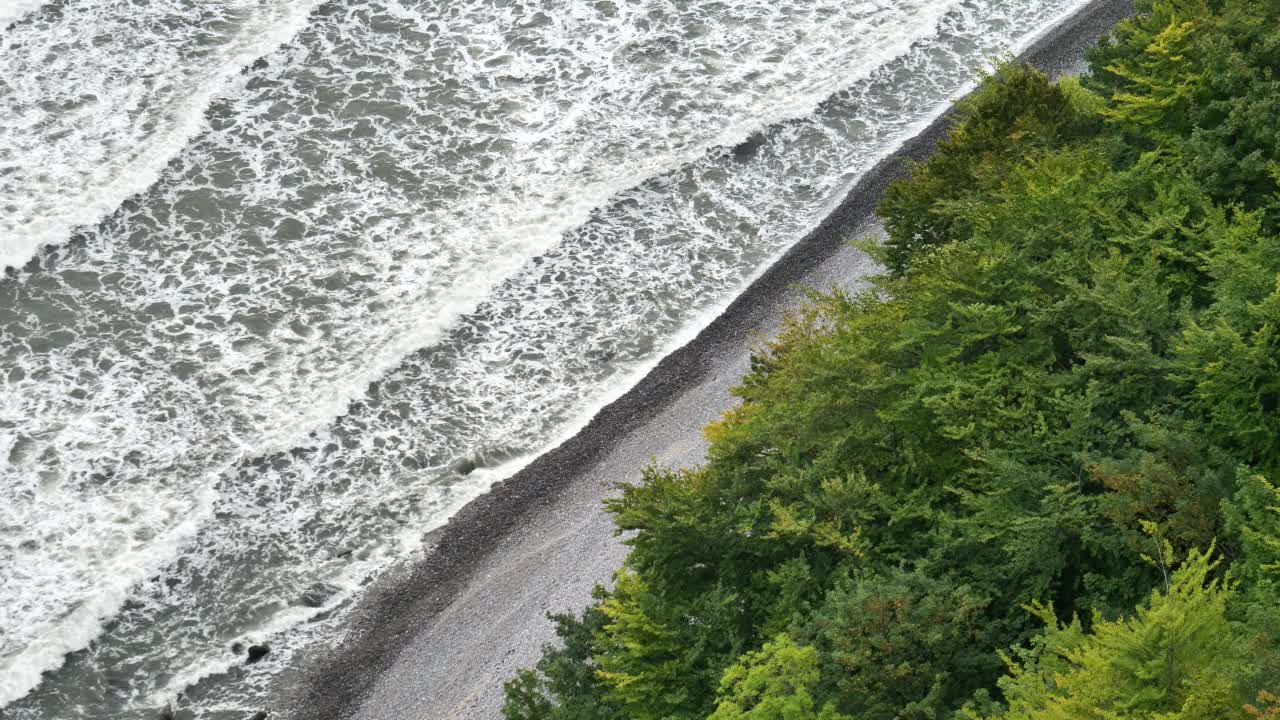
[1015, 113]
[899, 644]
[1178, 657]
[773, 683]
[1253, 518]
[1156, 87]
[564, 685]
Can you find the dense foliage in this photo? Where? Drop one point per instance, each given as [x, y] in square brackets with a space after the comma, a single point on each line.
[1031, 472]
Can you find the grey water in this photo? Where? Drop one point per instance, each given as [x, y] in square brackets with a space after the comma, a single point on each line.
[281, 274]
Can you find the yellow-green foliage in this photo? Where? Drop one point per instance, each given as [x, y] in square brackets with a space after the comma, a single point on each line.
[773, 683]
[1161, 83]
[1176, 658]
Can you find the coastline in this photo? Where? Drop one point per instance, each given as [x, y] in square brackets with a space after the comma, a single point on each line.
[436, 639]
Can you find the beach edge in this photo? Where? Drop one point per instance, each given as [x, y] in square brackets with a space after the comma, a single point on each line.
[397, 608]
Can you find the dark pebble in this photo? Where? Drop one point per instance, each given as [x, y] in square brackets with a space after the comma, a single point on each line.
[257, 652]
[749, 147]
[463, 466]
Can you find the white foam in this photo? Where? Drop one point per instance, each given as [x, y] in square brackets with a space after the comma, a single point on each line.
[97, 99]
[115, 578]
[539, 225]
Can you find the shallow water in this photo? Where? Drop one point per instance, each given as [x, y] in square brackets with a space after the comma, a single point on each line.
[269, 313]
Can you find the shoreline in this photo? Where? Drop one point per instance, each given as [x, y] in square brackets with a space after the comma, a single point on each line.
[508, 541]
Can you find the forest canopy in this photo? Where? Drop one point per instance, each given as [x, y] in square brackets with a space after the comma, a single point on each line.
[1032, 471]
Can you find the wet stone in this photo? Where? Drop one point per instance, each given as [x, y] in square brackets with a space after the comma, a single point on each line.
[463, 466]
[257, 652]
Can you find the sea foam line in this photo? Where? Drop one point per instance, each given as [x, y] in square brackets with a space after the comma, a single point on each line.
[427, 328]
[90, 208]
[20, 672]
